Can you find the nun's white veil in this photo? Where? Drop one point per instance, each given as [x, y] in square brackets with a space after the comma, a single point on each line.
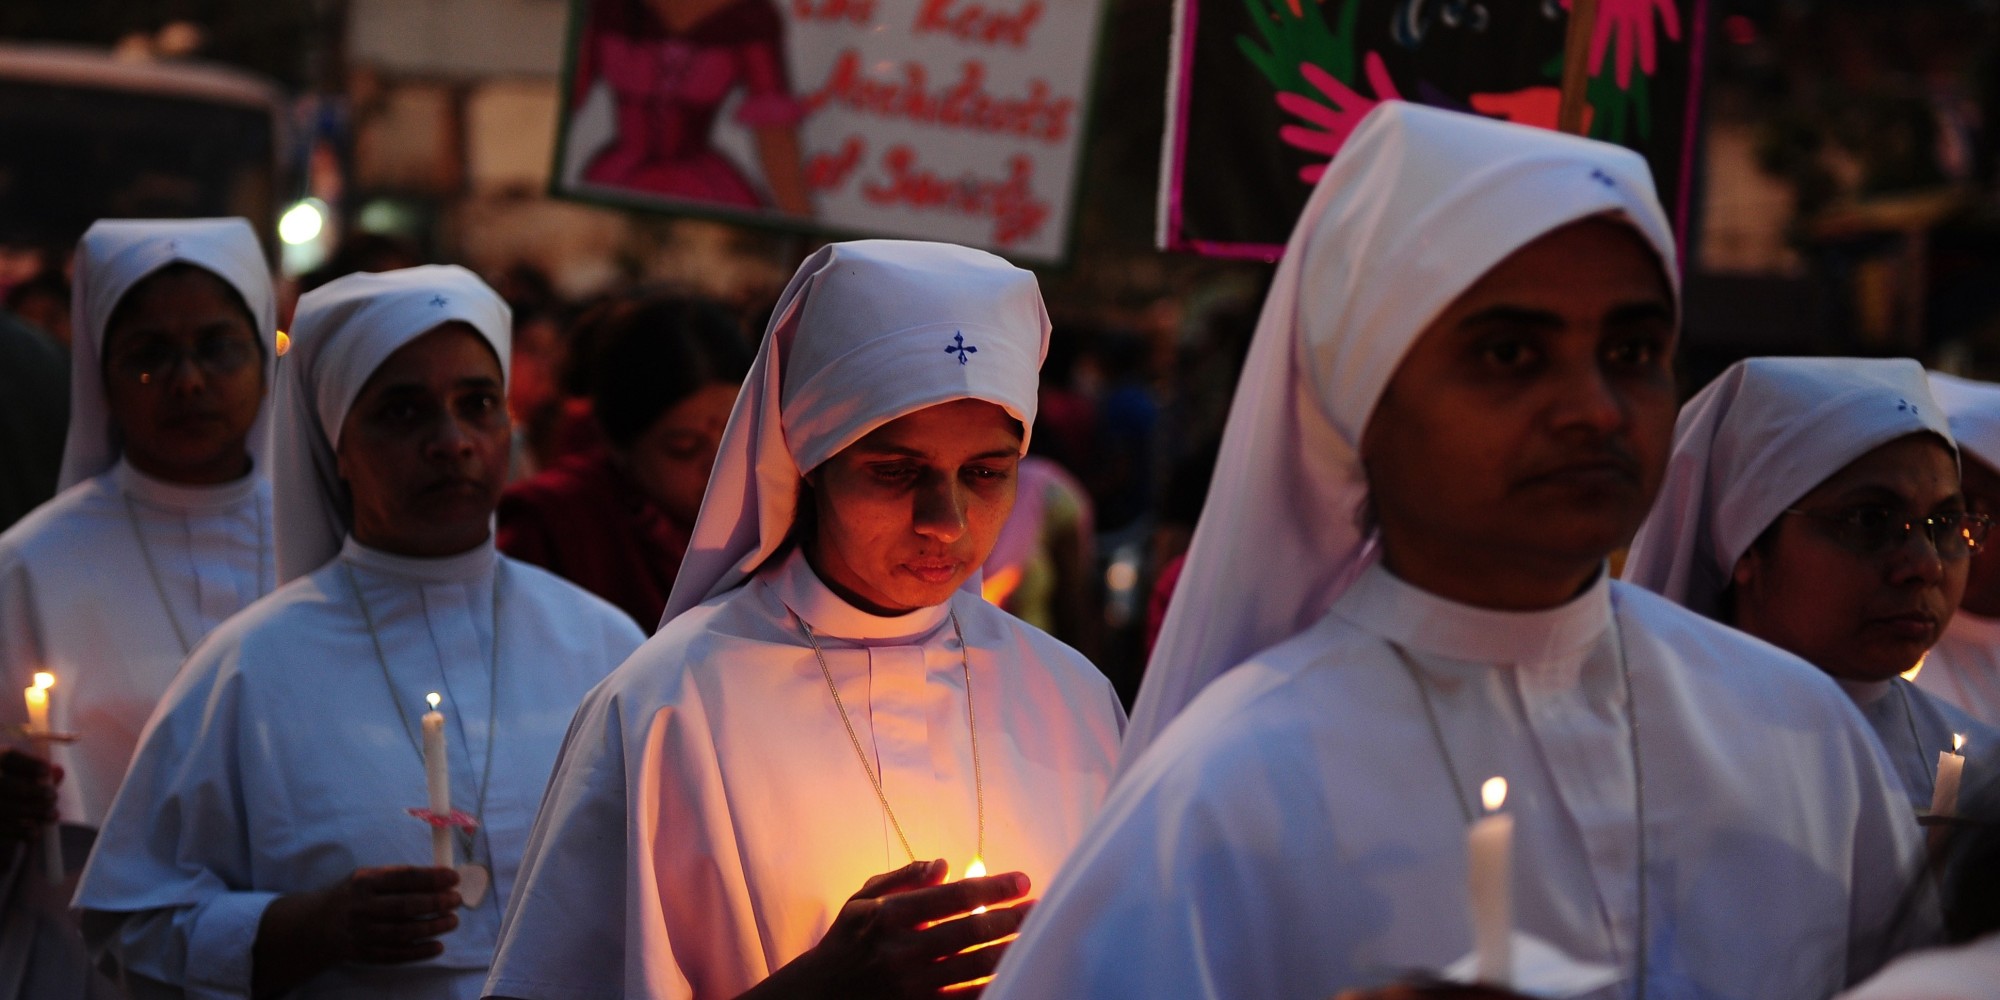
[1417, 206]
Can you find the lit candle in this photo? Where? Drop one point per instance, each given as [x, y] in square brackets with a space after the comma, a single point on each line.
[1951, 765]
[38, 725]
[437, 777]
[38, 703]
[1489, 848]
[977, 869]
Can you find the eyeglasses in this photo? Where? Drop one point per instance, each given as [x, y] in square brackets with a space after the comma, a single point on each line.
[154, 360]
[1878, 531]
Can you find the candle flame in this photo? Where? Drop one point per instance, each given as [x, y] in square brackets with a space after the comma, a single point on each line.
[44, 680]
[1957, 741]
[977, 869]
[433, 699]
[284, 343]
[1493, 793]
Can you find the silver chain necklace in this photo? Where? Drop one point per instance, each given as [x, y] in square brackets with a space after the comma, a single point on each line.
[978, 781]
[1917, 741]
[159, 585]
[1638, 777]
[466, 838]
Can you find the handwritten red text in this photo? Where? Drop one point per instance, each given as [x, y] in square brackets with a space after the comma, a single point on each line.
[963, 103]
[973, 22]
[1010, 201]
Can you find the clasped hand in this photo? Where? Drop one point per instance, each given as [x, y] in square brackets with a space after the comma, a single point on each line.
[908, 933]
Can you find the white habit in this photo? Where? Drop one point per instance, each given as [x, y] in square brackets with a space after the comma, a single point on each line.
[100, 585]
[726, 818]
[1749, 446]
[710, 815]
[1966, 972]
[1964, 667]
[282, 759]
[111, 582]
[1293, 833]
[1914, 725]
[286, 754]
[1287, 824]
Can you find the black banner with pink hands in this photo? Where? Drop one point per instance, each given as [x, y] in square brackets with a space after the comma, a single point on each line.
[1263, 92]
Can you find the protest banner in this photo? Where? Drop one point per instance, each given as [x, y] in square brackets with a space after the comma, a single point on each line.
[956, 120]
[1263, 92]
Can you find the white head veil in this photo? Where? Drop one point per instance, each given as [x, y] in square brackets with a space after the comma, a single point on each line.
[116, 254]
[866, 332]
[1763, 434]
[341, 333]
[1973, 409]
[1417, 206]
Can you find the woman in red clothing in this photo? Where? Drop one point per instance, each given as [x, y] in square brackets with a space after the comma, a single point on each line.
[662, 373]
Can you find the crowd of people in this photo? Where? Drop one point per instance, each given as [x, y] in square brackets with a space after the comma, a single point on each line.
[775, 666]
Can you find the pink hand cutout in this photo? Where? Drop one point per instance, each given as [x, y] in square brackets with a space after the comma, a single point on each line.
[1333, 120]
[1632, 22]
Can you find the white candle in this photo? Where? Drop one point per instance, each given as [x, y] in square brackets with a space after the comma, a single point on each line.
[1489, 854]
[38, 725]
[1951, 766]
[38, 703]
[437, 777]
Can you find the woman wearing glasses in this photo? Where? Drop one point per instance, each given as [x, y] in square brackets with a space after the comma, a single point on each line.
[163, 529]
[1815, 503]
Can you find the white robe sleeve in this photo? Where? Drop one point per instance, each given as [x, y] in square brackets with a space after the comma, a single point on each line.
[162, 894]
[1163, 900]
[551, 948]
[1893, 906]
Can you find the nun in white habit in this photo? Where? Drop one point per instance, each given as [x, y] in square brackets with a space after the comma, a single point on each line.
[1458, 400]
[262, 842]
[1964, 667]
[830, 702]
[163, 529]
[1815, 503]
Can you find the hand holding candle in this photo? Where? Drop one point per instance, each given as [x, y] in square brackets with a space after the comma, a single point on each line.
[437, 777]
[1951, 766]
[37, 696]
[1489, 853]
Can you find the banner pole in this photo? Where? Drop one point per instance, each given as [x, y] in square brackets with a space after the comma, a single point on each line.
[1576, 67]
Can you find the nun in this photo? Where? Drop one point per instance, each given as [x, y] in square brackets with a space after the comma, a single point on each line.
[162, 530]
[801, 780]
[163, 526]
[1457, 403]
[1964, 667]
[263, 843]
[1815, 504]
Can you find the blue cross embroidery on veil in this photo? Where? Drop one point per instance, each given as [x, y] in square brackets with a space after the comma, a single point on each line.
[1905, 406]
[1603, 178]
[960, 347]
[437, 301]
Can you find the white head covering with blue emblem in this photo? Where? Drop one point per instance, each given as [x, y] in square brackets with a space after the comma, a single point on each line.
[1763, 434]
[1418, 205]
[866, 332]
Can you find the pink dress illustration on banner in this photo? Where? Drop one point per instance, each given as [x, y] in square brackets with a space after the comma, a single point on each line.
[670, 66]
